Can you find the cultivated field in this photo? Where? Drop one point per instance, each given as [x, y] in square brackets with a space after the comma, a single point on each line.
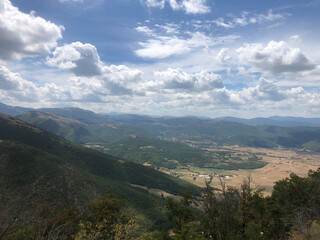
[281, 163]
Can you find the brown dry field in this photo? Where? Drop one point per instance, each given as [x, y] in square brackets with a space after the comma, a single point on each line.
[281, 162]
[158, 192]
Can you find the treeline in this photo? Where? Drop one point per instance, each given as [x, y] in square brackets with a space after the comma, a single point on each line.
[291, 212]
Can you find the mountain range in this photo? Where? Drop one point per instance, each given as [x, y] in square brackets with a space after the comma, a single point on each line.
[45, 151]
[91, 117]
[86, 127]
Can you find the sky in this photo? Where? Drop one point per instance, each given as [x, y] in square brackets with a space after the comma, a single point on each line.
[208, 58]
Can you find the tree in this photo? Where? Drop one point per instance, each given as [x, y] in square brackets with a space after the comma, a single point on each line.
[15, 213]
[211, 219]
[106, 220]
[180, 213]
[233, 213]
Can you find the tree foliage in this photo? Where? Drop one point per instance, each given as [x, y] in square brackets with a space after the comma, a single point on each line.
[243, 213]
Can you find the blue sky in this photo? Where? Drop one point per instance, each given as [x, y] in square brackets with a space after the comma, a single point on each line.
[162, 57]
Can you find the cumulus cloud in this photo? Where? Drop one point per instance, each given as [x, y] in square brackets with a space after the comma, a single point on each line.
[180, 80]
[122, 74]
[265, 94]
[310, 76]
[222, 56]
[189, 6]
[116, 81]
[13, 81]
[15, 85]
[265, 90]
[8, 79]
[81, 59]
[121, 80]
[275, 58]
[169, 92]
[25, 35]
[172, 91]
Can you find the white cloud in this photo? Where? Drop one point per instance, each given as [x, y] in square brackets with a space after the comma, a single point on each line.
[13, 86]
[311, 76]
[261, 18]
[122, 74]
[189, 6]
[174, 4]
[222, 56]
[9, 80]
[265, 90]
[242, 71]
[154, 3]
[267, 95]
[295, 39]
[177, 79]
[144, 29]
[25, 35]
[195, 6]
[121, 80]
[163, 47]
[115, 81]
[169, 28]
[166, 46]
[275, 58]
[246, 18]
[172, 92]
[81, 59]
[17, 87]
[221, 23]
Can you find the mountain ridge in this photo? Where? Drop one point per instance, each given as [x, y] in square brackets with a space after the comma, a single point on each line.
[90, 117]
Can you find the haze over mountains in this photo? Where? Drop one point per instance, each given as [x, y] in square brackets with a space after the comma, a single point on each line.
[91, 117]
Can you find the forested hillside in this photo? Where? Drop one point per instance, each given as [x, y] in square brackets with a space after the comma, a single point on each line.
[41, 166]
[179, 129]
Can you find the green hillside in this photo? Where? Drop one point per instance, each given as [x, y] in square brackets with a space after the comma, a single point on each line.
[156, 152]
[136, 144]
[230, 133]
[82, 115]
[88, 130]
[141, 139]
[78, 131]
[65, 173]
[173, 154]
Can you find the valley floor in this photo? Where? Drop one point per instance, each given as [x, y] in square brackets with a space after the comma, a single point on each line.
[281, 162]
